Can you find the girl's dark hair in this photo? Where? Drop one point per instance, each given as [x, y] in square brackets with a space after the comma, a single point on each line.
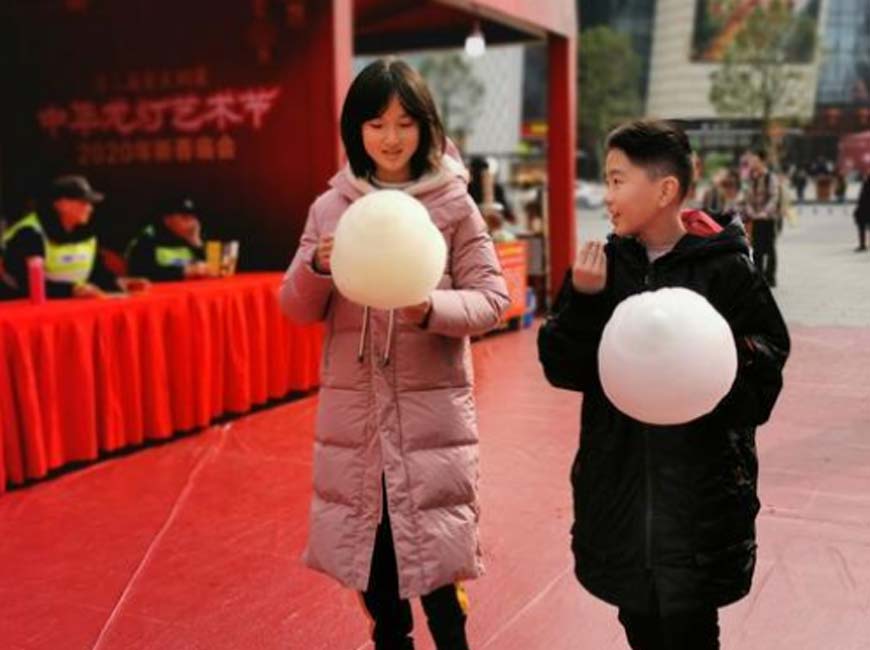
[368, 97]
[660, 147]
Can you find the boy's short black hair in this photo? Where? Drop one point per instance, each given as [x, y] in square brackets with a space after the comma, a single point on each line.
[368, 97]
[660, 147]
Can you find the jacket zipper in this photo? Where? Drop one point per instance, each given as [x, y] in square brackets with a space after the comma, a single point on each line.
[649, 497]
[649, 281]
[648, 278]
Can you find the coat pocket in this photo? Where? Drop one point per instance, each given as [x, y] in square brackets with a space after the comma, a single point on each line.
[593, 516]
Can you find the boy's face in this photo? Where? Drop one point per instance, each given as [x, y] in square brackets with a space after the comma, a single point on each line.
[634, 198]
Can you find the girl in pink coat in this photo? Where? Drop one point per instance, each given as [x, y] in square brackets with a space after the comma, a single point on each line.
[394, 512]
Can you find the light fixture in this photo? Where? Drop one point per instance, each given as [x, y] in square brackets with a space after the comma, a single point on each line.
[475, 45]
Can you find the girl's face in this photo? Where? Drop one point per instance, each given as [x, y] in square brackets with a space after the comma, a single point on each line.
[390, 140]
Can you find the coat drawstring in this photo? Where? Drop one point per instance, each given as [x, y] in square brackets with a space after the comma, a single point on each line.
[389, 344]
[391, 327]
[362, 335]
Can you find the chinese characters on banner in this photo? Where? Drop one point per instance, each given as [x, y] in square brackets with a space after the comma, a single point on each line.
[192, 126]
[205, 148]
[134, 82]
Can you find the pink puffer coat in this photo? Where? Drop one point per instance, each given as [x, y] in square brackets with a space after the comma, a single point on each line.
[406, 412]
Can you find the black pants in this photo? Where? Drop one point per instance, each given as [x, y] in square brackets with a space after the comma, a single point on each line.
[764, 248]
[391, 615]
[862, 233]
[691, 630]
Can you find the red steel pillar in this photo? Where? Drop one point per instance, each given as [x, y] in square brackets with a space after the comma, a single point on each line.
[561, 139]
[330, 57]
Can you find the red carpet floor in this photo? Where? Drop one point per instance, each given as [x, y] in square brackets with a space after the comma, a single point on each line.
[195, 544]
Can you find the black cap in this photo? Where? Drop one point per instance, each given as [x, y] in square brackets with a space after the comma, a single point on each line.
[177, 205]
[74, 187]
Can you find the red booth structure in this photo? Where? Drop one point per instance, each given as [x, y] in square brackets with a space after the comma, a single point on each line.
[513, 259]
[236, 103]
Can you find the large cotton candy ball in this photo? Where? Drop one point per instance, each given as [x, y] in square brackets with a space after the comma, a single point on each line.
[387, 253]
[666, 357]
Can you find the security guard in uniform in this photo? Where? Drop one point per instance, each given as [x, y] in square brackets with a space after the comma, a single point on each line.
[171, 247]
[61, 232]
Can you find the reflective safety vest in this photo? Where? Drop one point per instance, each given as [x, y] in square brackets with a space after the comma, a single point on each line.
[70, 262]
[165, 255]
[173, 256]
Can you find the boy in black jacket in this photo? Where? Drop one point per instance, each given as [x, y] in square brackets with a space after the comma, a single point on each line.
[664, 515]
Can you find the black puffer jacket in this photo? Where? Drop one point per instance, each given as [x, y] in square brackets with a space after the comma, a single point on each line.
[671, 507]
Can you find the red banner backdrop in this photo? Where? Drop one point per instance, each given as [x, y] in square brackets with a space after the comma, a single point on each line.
[220, 100]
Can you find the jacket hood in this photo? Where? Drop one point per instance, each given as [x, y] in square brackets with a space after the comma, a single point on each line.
[704, 238]
[444, 185]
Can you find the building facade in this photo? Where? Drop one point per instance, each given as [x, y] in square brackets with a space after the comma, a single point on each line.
[843, 93]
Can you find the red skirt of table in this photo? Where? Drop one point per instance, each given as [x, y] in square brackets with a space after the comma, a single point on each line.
[83, 377]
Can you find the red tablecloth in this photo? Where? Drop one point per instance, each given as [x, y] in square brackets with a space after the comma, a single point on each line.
[81, 377]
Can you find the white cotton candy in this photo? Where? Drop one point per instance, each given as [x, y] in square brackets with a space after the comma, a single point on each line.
[666, 357]
[387, 253]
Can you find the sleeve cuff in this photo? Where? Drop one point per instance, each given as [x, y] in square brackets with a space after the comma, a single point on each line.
[312, 266]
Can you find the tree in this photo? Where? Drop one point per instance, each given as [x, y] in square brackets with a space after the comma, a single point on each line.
[457, 91]
[757, 77]
[608, 73]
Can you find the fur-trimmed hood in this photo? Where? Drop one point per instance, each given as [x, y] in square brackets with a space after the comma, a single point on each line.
[447, 184]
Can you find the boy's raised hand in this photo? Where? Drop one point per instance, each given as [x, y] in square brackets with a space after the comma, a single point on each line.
[589, 274]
